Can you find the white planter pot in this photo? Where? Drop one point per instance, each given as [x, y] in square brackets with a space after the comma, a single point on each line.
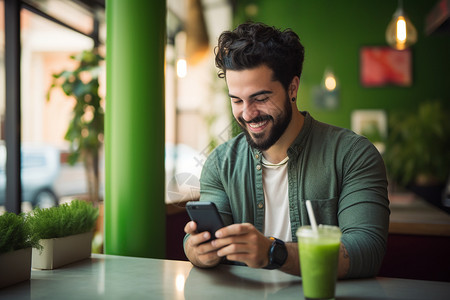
[58, 252]
[15, 267]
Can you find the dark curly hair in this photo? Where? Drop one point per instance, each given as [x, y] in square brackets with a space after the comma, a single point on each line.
[251, 45]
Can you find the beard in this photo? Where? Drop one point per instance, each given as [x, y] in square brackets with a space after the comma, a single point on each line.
[264, 140]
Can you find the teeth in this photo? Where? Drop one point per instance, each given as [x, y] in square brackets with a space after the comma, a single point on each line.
[256, 125]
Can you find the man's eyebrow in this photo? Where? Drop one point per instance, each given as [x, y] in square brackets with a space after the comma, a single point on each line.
[263, 92]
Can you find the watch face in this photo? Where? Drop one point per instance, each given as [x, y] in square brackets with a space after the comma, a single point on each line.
[279, 254]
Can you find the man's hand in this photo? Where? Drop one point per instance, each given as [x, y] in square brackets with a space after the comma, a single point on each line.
[201, 254]
[243, 243]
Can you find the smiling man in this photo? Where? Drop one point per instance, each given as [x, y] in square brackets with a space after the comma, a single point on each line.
[261, 179]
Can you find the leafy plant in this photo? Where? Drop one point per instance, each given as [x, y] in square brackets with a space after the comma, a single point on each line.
[16, 233]
[85, 131]
[418, 146]
[67, 219]
[372, 132]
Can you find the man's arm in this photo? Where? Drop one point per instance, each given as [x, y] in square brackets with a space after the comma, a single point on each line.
[292, 264]
[363, 214]
[244, 243]
[203, 254]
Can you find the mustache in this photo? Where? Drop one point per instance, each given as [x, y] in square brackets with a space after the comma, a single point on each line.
[256, 120]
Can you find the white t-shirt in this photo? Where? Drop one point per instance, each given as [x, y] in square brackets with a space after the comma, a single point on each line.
[277, 222]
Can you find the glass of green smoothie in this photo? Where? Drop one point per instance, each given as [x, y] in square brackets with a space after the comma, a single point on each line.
[319, 253]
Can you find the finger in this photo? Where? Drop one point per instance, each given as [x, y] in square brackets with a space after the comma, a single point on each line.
[206, 248]
[199, 238]
[244, 254]
[190, 227]
[234, 229]
[233, 249]
[235, 239]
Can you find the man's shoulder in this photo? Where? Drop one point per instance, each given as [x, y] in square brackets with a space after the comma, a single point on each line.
[318, 133]
[232, 147]
[232, 153]
[341, 141]
[335, 133]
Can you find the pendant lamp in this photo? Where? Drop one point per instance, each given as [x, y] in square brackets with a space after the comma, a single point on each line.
[401, 33]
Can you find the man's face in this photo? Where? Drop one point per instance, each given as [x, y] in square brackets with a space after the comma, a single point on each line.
[260, 105]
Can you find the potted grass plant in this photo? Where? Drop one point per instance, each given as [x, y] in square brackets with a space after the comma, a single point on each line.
[16, 242]
[64, 233]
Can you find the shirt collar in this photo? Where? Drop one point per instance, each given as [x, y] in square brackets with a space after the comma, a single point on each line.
[300, 140]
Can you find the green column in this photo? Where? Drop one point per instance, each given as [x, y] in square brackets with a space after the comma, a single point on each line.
[134, 128]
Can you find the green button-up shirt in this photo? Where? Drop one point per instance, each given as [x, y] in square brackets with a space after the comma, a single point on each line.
[341, 172]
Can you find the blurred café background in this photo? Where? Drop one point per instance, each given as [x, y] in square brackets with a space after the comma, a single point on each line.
[55, 84]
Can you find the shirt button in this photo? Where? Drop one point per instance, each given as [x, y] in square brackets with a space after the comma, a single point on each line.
[257, 156]
[258, 167]
[260, 205]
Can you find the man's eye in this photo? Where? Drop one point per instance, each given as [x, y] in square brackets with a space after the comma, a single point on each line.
[236, 101]
[262, 99]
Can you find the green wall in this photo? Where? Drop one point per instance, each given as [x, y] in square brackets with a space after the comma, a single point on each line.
[333, 33]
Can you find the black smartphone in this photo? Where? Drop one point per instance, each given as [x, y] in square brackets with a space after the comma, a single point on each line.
[206, 215]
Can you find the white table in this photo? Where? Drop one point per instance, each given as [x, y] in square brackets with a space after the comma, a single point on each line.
[118, 277]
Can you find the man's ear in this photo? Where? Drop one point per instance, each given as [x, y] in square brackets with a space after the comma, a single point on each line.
[293, 87]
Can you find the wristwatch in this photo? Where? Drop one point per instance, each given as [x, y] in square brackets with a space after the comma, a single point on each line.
[277, 254]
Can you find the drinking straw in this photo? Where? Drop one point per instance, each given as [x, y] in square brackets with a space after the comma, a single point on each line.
[311, 216]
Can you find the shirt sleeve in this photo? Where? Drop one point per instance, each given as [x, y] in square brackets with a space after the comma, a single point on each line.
[363, 213]
[212, 189]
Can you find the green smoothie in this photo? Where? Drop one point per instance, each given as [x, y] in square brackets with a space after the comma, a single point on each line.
[319, 260]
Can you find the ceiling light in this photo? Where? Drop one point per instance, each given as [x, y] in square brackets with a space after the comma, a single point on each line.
[400, 33]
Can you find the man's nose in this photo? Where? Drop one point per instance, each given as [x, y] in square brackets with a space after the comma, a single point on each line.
[250, 111]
